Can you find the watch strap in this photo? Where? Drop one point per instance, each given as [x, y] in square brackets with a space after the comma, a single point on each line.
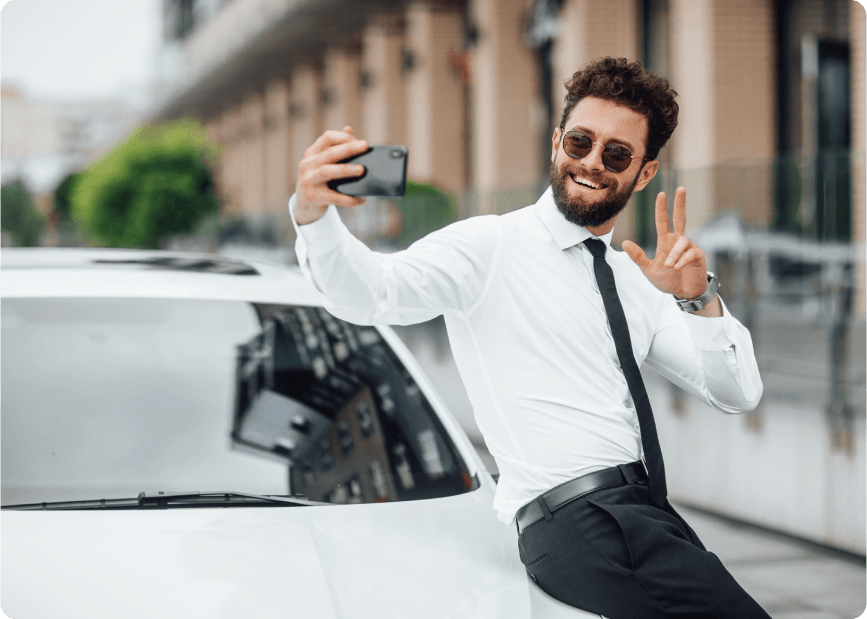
[701, 301]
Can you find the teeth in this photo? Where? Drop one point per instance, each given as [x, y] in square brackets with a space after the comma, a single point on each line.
[585, 182]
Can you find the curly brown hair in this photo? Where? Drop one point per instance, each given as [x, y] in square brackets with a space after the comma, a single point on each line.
[631, 85]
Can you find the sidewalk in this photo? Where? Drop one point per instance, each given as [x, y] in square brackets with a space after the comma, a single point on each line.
[790, 578]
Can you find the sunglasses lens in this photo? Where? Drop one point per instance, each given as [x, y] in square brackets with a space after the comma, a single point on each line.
[616, 158]
[577, 145]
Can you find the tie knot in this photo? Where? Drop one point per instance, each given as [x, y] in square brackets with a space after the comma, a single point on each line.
[596, 247]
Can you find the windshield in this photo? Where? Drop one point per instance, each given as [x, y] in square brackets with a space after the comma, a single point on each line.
[106, 398]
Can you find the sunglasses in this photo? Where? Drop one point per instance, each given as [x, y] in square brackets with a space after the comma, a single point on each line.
[615, 158]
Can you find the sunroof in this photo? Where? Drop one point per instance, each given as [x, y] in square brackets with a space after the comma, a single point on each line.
[199, 265]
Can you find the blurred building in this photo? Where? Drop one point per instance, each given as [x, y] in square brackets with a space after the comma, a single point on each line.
[43, 141]
[771, 95]
[770, 145]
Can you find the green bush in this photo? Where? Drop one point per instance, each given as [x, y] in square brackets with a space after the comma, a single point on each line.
[156, 184]
[19, 217]
[63, 195]
[425, 208]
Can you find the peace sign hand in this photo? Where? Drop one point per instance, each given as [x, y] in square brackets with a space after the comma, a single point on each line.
[679, 266]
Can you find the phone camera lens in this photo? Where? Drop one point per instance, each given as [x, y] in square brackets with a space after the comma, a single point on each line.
[396, 154]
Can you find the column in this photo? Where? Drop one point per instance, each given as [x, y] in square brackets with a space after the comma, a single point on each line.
[253, 164]
[436, 121]
[305, 120]
[590, 29]
[341, 97]
[715, 45]
[383, 100]
[279, 173]
[231, 158]
[505, 91]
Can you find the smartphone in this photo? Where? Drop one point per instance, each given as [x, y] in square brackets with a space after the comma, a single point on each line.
[384, 173]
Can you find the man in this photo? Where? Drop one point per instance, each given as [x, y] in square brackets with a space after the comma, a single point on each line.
[548, 326]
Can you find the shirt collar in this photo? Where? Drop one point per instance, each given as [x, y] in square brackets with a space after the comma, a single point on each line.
[565, 233]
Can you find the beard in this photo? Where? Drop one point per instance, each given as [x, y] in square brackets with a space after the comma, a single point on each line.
[581, 211]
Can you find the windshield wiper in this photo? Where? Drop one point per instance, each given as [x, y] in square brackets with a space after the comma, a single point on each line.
[164, 500]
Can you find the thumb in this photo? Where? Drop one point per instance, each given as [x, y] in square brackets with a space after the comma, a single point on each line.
[348, 129]
[636, 254]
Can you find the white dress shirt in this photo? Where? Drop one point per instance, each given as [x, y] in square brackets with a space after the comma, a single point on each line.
[530, 336]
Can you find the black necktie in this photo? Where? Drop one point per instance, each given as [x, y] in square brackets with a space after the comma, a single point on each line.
[620, 331]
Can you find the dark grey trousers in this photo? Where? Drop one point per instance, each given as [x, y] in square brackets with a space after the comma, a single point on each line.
[615, 553]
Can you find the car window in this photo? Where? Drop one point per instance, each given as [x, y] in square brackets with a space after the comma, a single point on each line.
[105, 398]
[335, 399]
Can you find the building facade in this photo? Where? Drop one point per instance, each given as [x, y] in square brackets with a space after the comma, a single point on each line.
[474, 89]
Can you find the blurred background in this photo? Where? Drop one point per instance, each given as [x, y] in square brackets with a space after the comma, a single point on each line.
[179, 124]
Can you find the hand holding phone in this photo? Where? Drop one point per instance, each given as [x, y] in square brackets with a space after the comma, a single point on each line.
[320, 165]
[384, 173]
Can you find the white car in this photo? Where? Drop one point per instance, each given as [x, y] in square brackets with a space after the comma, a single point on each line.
[191, 436]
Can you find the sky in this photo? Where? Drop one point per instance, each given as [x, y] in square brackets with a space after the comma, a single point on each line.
[79, 49]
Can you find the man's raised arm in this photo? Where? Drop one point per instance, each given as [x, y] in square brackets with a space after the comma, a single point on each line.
[444, 273]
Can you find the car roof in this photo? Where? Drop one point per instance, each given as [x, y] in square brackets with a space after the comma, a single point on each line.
[133, 273]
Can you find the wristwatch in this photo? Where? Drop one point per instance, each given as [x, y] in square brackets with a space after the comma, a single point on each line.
[700, 302]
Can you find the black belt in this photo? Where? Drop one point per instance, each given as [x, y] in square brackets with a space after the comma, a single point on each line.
[567, 492]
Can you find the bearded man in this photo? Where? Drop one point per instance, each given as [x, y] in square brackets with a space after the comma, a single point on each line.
[549, 326]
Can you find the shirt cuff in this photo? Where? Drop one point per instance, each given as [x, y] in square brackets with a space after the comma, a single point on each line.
[318, 237]
[711, 333]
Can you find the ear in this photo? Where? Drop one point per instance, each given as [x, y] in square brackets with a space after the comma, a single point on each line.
[646, 175]
[555, 144]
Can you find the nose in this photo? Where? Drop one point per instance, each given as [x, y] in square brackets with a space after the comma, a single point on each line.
[593, 160]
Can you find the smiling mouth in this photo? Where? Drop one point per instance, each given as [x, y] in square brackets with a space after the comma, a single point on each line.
[585, 183]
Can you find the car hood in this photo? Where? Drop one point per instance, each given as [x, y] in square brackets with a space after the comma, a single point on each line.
[446, 557]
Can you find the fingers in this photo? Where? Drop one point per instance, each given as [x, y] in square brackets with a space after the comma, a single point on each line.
[338, 199]
[680, 246]
[325, 173]
[337, 152]
[679, 214]
[690, 256]
[683, 253]
[661, 215]
[636, 253]
[328, 139]
[320, 167]
[313, 183]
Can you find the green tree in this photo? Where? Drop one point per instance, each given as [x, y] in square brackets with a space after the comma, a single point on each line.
[63, 195]
[19, 217]
[154, 185]
[425, 208]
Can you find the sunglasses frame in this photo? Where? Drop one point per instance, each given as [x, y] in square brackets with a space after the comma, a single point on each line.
[575, 133]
